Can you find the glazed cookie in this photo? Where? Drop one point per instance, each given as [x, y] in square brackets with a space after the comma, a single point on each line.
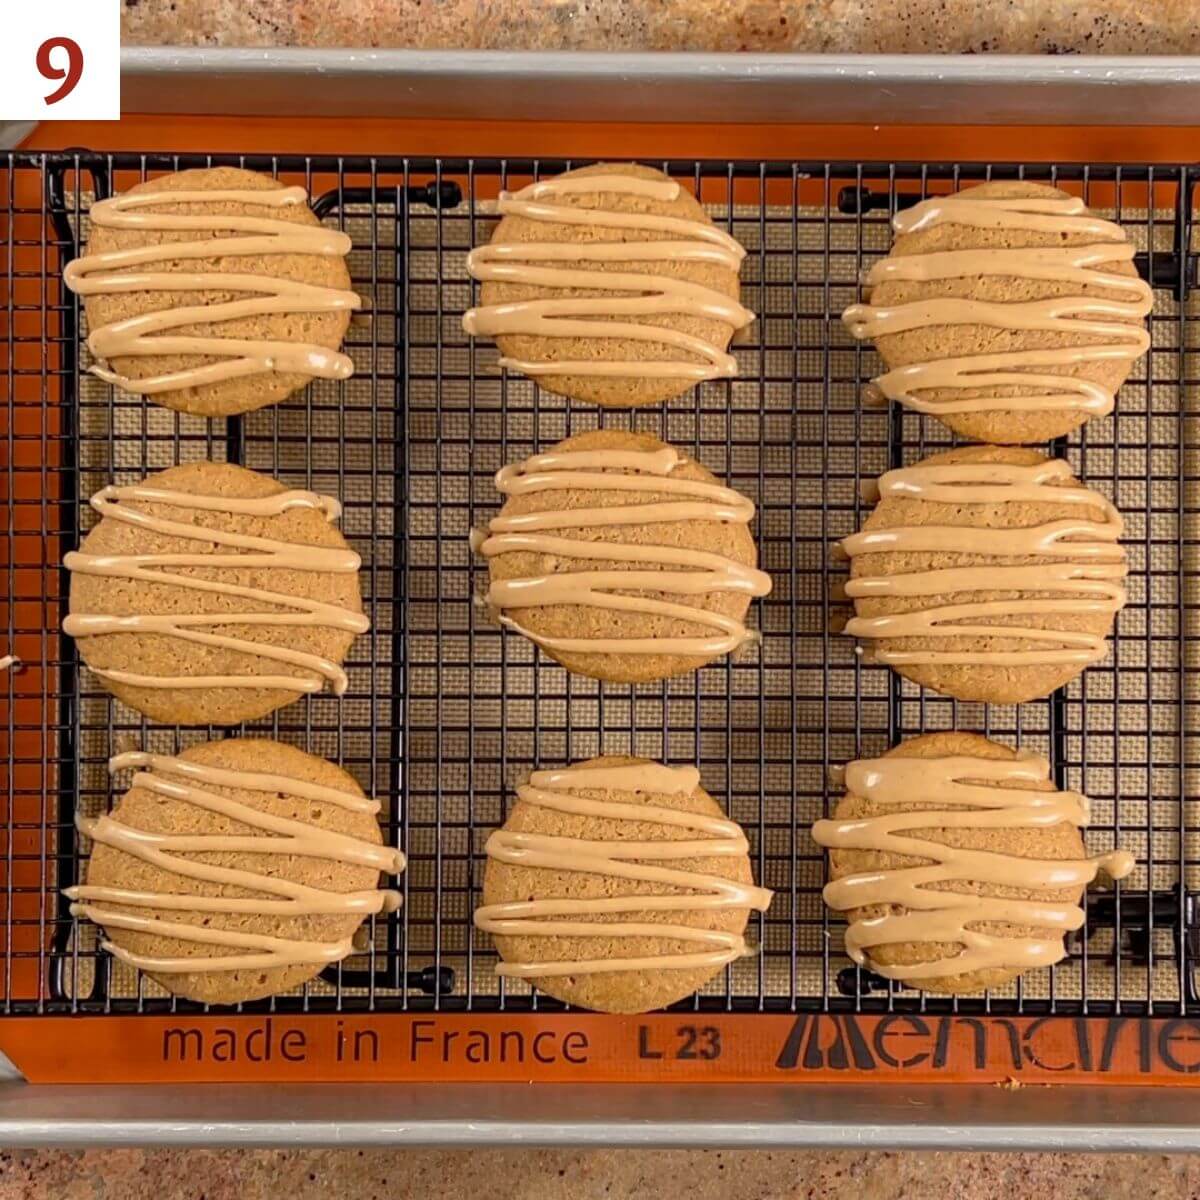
[958, 863]
[1007, 310]
[987, 573]
[609, 284]
[214, 291]
[236, 870]
[599, 890]
[262, 605]
[621, 558]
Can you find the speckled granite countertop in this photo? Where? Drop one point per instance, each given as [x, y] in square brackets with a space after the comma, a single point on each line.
[831, 26]
[596, 1175]
[950, 26]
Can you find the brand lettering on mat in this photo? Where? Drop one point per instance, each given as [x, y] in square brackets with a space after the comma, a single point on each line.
[423, 1042]
[891, 1044]
[268, 1041]
[824, 1042]
[431, 1043]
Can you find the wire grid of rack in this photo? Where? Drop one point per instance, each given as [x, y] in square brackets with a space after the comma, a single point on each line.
[445, 713]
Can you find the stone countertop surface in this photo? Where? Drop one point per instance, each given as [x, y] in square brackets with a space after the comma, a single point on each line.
[827, 26]
[831, 26]
[530, 1174]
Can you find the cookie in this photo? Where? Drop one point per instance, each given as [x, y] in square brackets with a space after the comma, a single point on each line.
[261, 606]
[609, 284]
[1007, 310]
[236, 870]
[214, 291]
[958, 863]
[618, 885]
[987, 573]
[623, 559]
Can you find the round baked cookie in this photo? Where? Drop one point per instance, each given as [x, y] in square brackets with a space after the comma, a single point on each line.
[970, 557]
[981, 943]
[622, 558]
[561, 861]
[553, 314]
[980, 287]
[289, 914]
[282, 304]
[174, 625]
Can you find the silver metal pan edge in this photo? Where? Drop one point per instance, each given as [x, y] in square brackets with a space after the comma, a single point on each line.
[704, 88]
[830, 1116]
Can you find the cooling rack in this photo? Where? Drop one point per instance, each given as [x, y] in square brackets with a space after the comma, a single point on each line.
[444, 713]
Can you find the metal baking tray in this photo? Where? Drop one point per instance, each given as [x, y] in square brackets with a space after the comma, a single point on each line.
[444, 713]
[499, 85]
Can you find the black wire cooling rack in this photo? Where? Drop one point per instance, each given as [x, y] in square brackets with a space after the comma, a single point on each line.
[445, 713]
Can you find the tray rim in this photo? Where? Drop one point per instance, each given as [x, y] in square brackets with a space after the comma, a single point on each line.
[659, 86]
[846, 1117]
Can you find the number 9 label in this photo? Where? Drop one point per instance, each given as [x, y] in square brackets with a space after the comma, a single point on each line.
[70, 74]
[61, 60]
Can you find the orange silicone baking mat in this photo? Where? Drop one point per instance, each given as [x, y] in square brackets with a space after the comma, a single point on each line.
[444, 714]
